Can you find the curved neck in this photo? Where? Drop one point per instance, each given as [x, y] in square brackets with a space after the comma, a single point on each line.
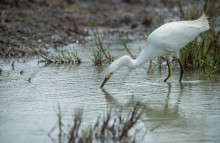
[140, 60]
[127, 61]
[135, 63]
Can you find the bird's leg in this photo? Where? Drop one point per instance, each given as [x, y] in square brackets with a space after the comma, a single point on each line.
[169, 71]
[181, 70]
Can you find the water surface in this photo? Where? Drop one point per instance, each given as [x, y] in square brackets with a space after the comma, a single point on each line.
[173, 112]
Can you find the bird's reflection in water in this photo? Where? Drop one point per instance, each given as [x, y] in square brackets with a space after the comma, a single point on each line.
[114, 103]
[158, 113]
[110, 100]
[175, 109]
[166, 106]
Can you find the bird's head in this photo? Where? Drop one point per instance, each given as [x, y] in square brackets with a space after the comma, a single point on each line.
[113, 67]
[106, 79]
[116, 65]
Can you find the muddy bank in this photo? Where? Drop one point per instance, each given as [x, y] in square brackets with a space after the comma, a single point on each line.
[59, 22]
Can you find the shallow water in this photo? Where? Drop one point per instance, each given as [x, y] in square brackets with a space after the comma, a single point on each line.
[174, 112]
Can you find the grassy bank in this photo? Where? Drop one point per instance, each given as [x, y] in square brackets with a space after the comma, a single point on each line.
[204, 52]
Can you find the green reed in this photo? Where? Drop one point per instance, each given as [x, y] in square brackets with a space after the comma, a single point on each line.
[204, 52]
[101, 54]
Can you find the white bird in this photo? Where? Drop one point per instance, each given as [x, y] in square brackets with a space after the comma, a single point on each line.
[166, 40]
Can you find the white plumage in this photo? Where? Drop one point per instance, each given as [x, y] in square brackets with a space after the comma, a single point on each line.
[166, 40]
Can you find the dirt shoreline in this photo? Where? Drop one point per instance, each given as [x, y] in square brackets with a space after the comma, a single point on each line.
[59, 22]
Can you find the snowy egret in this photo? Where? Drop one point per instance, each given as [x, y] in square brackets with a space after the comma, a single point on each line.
[166, 40]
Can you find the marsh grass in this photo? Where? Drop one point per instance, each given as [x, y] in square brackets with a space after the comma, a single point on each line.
[113, 127]
[124, 44]
[204, 52]
[101, 54]
[37, 52]
[63, 57]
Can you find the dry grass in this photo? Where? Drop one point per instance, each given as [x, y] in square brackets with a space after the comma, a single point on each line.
[67, 57]
[113, 127]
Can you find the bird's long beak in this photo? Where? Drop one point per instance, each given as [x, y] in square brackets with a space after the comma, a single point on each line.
[106, 79]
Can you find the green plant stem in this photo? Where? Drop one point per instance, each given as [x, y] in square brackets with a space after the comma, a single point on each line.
[125, 46]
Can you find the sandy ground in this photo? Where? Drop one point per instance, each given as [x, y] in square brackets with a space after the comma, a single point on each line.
[59, 22]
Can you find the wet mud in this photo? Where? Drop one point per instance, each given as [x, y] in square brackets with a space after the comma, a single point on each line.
[54, 23]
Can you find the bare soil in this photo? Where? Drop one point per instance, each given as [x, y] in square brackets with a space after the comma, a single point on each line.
[55, 23]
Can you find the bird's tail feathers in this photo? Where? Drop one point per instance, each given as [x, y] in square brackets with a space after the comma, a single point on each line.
[204, 21]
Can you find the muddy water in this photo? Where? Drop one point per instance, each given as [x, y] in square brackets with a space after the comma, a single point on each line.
[173, 112]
